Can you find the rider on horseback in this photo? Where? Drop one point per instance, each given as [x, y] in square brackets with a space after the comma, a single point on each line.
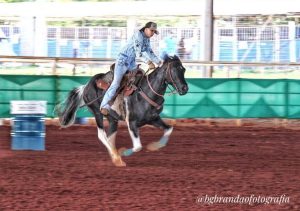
[138, 46]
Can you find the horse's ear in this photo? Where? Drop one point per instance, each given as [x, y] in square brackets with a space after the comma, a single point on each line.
[176, 57]
[112, 67]
[165, 56]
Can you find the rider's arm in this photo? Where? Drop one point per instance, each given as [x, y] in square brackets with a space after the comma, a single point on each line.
[138, 44]
[147, 55]
[151, 55]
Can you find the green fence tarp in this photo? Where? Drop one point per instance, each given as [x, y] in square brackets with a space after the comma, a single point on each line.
[207, 98]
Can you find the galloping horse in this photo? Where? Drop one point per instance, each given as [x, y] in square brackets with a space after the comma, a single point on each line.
[141, 107]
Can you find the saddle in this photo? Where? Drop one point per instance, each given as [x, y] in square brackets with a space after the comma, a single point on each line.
[128, 84]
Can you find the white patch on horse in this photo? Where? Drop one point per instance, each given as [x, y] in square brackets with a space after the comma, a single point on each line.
[116, 158]
[127, 111]
[164, 140]
[110, 147]
[80, 90]
[103, 138]
[168, 132]
[118, 105]
[112, 139]
[136, 141]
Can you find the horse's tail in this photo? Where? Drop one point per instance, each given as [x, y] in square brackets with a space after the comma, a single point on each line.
[66, 111]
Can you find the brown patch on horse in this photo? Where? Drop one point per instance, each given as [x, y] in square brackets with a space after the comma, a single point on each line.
[101, 84]
[128, 91]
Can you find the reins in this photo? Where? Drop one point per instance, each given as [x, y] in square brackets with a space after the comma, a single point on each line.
[149, 84]
[89, 103]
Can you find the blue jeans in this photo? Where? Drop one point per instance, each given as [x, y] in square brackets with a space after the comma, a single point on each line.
[119, 71]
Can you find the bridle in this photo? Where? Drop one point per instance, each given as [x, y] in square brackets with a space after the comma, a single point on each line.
[175, 91]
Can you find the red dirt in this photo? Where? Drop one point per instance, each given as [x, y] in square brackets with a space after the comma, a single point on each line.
[75, 172]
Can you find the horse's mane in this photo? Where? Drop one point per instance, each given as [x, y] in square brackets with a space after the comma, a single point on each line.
[167, 58]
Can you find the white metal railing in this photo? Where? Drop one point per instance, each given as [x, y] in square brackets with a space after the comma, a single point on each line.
[195, 68]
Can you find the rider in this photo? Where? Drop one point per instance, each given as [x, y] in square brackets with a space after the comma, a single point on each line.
[137, 47]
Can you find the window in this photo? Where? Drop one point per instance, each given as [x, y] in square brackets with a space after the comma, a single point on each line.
[246, 34]
[51, 33]
[100, 33]
[67, 33]
[83, 33]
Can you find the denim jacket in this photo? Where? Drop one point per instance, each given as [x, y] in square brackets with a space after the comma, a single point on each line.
[137, 47]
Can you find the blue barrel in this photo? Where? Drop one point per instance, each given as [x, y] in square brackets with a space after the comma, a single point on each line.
[81, 120]
[28, 132]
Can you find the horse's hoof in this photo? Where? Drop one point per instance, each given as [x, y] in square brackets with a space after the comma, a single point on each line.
[121, 151]
[154, 146]
[125, 152]
[118, 162]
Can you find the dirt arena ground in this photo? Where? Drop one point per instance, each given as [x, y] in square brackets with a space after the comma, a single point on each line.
[200, 165]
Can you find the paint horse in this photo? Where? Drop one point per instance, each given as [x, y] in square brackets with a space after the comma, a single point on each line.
[142, 107]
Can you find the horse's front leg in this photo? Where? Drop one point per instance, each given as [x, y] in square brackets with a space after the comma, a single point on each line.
[135, 137]
[154, 146]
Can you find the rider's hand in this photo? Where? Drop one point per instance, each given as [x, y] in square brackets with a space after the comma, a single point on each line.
[151, 65]
[160, 63]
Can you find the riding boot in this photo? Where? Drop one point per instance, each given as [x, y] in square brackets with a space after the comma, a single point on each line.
[110, 112]
[104, 111]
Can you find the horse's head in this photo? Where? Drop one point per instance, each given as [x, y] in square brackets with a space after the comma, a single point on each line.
[175, 74]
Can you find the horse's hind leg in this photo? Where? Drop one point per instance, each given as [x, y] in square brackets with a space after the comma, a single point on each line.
[153, 146]
[110, 145]
[112, 131]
